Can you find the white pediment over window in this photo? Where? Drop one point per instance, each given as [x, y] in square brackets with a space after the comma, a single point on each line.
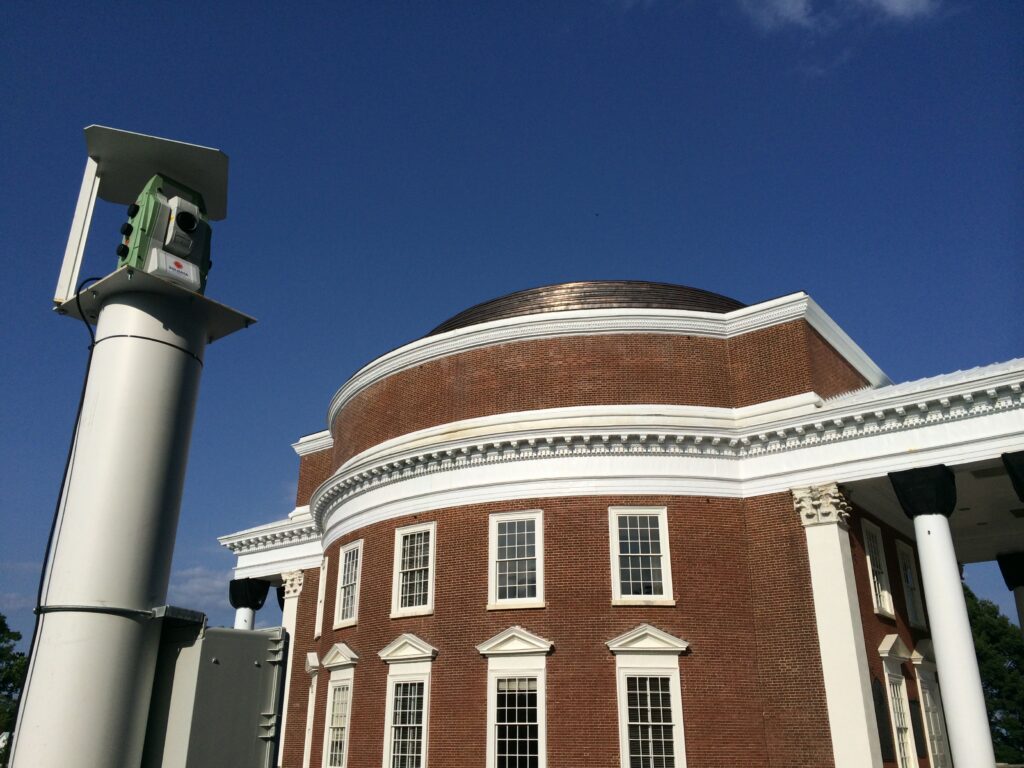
[340, 655]
[893, 648]
[923, 653]
[312, 663]
[647, 639]
[515, 641]
[406, 648]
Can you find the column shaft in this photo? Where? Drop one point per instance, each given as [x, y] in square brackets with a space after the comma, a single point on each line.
[969, 736]
[244, 618]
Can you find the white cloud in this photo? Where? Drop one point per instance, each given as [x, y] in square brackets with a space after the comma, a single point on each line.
[200, 589]
[826, 14]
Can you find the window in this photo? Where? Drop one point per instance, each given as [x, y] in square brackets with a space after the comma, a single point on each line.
[649, 698]
[881, 596]
[340, 660]
[894, 652]
[641, 567]
[407, 714]
[346, 603]
[911, 585]
[321, 593]
[516, 727]
[931, 706]
[516, 573]
[412, 591]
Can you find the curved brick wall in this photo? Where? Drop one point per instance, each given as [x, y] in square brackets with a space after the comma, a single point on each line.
[752, 688]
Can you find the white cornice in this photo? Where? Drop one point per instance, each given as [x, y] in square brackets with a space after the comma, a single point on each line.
[318, 441]
[611, 321]
[699, 448]
[647, 639]
[297, 528]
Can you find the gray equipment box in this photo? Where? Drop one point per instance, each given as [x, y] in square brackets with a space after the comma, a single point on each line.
[217, 695]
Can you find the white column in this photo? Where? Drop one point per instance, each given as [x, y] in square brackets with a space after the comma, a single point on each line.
[970, 740]
[292, 589]
[244, 618]
[844, 662]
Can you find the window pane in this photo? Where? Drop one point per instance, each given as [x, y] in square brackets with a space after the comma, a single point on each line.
[415, 569]
[337, 729]
[649, 722]
[407, 726]
[639, 555]
[517, 734]
[349, 569]
[516, 559]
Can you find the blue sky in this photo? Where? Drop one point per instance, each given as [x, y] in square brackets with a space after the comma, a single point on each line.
[394, 163]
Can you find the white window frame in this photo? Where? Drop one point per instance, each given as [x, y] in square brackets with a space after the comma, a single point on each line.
[313, 670]
[397, 611]
[911, 585]
[516, 652]
[339, 622]
[881, 591]
[495, 519]
[321, 598]
[894, 652]
[668, 590]
[409, 660]
[340, 660]
[935, 735]
[647, 651]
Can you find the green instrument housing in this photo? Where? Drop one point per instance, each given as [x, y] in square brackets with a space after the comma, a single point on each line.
[153, 225]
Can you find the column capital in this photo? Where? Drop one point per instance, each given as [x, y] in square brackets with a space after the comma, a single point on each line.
[925, 490]
[821, 505]
[292, 583]
[1012, 567]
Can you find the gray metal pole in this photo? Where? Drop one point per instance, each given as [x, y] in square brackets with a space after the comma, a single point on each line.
[87, 697]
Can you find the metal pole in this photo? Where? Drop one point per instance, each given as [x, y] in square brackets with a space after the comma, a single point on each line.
[87, 697]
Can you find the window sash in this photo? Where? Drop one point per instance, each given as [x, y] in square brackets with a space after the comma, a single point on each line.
[337, 726]
[901, 721]
[881, 593]
[516, 726]
[911, 585]
[640, 555]
[348, 584]
[516, 559]
[414, 571]
[649, 722]
[407, 724]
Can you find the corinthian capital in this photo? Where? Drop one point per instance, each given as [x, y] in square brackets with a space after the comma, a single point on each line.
[292, 583]
[821, 504]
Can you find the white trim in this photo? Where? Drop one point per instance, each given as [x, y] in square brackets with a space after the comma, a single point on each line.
[318, 441]
[321, 598]
[912, 594]
[928, 691]
[516, 652]
[339, 622]
[340, 660]
[608, 321]
[881, 586]
[839, 445]
[667, 596]
[649, 652]
[894, 652]
[844, 663]
[297, 528]
[409, 660]
[312, 669]
[493, 521]
[397, 611]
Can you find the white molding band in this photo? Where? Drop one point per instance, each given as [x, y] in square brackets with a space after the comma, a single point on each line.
[318, 441]
[592, 322]
[844, 662]
[808, 445]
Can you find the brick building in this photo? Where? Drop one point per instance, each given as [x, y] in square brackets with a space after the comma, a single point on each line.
[631, 524]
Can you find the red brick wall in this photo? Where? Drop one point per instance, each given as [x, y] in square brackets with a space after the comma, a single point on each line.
[752, 687]
[876, 627]
[616, 369]
[314, 468]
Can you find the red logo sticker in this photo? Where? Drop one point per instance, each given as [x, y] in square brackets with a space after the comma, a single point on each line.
[179, 265]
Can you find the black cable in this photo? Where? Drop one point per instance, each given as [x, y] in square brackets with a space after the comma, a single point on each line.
[68, 464]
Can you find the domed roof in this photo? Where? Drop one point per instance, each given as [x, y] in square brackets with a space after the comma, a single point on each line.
[592, 294]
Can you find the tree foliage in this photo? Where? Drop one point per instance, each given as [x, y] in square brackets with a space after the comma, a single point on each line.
[13, 665]
[1000, 650]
